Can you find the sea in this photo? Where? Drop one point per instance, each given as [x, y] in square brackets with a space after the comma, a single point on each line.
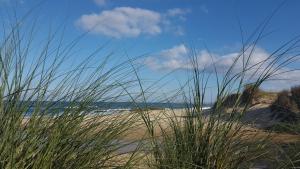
[108, 107]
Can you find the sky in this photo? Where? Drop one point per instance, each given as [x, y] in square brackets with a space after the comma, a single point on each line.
[165, 32]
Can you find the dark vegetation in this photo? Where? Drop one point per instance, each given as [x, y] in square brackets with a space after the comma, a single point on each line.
[251, 96]
[295, 91]
[285, 108]
[284, 105]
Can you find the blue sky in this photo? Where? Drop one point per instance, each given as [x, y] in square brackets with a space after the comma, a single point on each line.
[166, 29]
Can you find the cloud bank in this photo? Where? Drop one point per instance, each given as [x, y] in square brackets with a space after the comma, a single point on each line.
[178, 57]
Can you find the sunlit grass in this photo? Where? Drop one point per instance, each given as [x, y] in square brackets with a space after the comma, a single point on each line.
[35, 131]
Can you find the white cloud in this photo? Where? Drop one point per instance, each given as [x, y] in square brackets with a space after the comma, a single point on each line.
[180, 54]
[177, 57]
[258, 60]
[122, 22]
[173, 58]
[132, 22]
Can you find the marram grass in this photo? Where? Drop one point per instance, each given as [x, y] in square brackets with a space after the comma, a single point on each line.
[31, 81]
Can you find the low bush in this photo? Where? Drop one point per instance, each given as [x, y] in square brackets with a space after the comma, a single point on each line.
[292, 128]
[296, 95]
[285, 108]
[250, 94]
[230, 100]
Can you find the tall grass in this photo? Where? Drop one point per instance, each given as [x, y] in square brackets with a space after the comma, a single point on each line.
[290, 152]
[35, 131]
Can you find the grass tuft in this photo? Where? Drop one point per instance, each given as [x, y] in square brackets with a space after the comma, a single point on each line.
[285, 108]
[296, 95]
[45, 111]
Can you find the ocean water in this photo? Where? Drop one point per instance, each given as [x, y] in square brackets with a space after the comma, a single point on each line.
[105, 107]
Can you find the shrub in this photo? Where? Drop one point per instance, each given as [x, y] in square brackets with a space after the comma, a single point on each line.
[285, 108]
[250, 94]
[296, 95]
[229, 101]
[292, 128]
